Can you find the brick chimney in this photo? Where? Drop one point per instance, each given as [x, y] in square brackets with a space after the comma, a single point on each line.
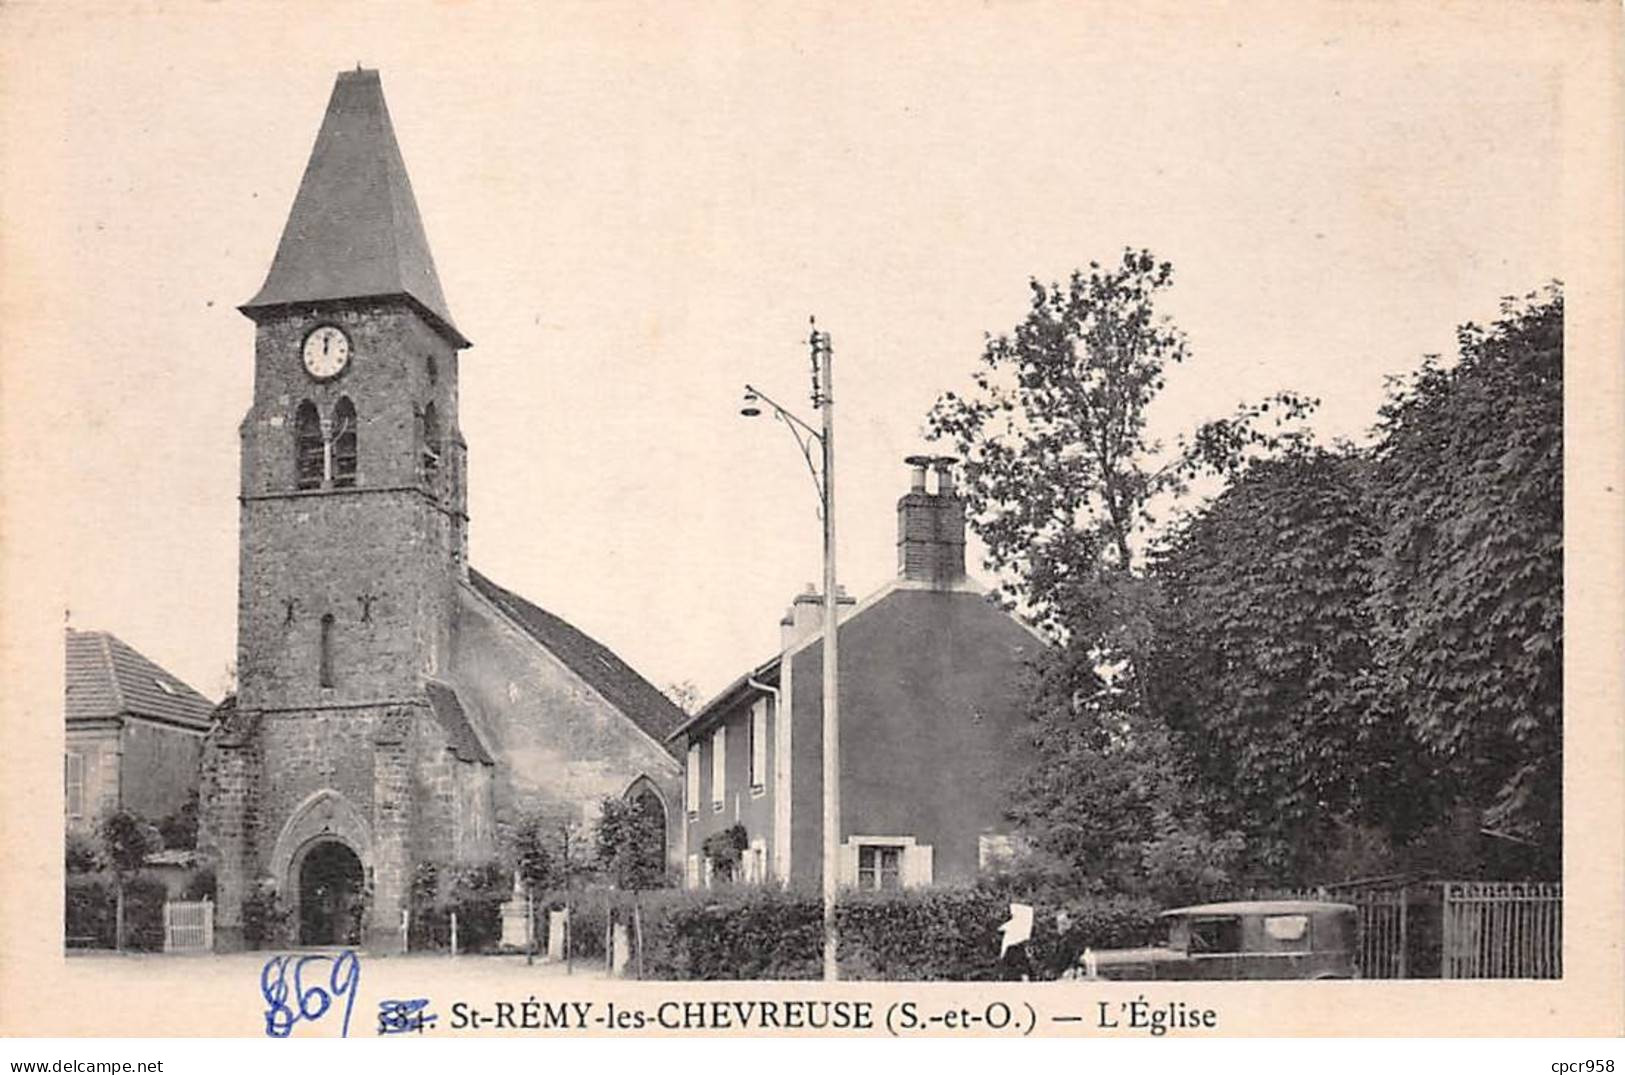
[931, 525]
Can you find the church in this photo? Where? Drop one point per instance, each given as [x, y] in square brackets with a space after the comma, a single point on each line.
[394, 706]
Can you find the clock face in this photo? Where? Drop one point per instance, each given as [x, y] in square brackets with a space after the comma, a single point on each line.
[327, 351]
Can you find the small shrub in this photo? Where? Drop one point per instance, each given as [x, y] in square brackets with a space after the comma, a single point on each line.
[144, 899]
[179, 830]
[88, 912]
[724, 850]
[83, 853]
[474, 893]
[201, 885]
[265, 919]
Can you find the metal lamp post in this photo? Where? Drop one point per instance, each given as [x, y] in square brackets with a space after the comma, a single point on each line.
[823, 472]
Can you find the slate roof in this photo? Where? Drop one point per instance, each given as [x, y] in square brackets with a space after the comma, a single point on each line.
[354, 230]
[767, 672]
[460, 734]
[107, 679]
[594, 662]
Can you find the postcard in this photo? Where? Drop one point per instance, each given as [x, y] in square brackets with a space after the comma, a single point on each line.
[924, 520]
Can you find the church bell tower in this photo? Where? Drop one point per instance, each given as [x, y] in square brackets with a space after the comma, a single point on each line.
[353, 541]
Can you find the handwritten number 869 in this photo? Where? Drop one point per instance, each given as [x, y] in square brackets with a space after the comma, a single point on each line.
[309, 1002]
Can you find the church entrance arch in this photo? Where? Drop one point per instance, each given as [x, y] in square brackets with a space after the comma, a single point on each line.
[332, 905]
[322, 864]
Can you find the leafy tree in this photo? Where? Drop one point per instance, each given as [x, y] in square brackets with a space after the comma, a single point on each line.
[1265, 670]
[685, 696]
[1468, 583]
[1063, 484]
[534, 859]
[1060, 475]
[1115, 804]
[179, 830]
[631, 843]
[127, 839]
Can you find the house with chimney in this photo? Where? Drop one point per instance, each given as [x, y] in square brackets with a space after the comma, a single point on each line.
[933, 679]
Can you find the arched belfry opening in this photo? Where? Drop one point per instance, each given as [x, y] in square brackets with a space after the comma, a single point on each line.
[346, 450]
[332, 895]
[310, 447]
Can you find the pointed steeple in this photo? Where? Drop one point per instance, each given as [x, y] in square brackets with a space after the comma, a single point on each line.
[354, 231]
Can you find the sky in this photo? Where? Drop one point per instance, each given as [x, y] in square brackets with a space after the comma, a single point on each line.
[634, 210]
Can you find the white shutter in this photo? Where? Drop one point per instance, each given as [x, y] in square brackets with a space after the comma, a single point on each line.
[693, 789]
[848, 862]
[719, 766]
[916, 865]
[758, 744]
[76, 785]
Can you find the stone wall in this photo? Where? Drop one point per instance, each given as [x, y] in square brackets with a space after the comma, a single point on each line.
[159, 768]
[562, 748]
[381, 558]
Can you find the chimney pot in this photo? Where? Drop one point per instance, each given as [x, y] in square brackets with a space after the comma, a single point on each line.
[919, 463]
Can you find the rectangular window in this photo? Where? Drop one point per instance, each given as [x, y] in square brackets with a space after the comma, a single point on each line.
[692, 874]
[693, 774]
[758, 744]
[719, 767]
[880, 867]
[76, 785]
[1289, 927]
[994, 850]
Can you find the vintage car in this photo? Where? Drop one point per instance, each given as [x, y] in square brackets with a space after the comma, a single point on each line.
[1251, 939]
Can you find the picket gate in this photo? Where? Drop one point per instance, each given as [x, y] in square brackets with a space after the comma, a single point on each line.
[189, 927]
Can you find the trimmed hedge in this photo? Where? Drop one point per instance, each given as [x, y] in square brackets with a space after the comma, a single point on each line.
[90, 910]
[742, 933]
[930, 934]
